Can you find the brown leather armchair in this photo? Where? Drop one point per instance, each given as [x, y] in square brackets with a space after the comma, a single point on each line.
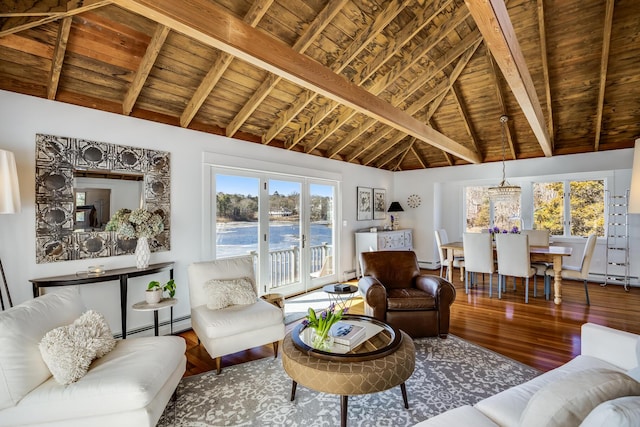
[394, 291]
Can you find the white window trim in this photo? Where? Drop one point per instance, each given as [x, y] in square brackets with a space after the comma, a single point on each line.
[213, 161]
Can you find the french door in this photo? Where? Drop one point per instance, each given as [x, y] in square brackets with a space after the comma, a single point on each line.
[286, 222]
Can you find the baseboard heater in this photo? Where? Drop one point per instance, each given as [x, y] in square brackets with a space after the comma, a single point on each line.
[160, 324]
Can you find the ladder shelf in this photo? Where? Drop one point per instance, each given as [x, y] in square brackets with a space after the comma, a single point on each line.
[617, 251]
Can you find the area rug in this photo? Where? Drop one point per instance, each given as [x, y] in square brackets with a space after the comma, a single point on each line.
[449, 373]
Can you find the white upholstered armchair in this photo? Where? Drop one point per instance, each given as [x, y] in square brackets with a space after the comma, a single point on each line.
[235, 327]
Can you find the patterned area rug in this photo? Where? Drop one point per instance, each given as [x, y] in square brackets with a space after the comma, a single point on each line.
[449, 373]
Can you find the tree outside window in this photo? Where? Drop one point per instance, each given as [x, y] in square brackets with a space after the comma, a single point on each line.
[581, 215]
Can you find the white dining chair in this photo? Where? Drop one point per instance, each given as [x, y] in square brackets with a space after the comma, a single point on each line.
[580, 272]
[478, 258]
[514, 260]
[442, 238]
[538, 238]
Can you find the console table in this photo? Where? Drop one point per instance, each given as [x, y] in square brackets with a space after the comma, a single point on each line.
[396, 240]
[121, 274]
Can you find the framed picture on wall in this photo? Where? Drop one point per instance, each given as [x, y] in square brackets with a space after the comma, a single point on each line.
[379, 204]
[365, 204]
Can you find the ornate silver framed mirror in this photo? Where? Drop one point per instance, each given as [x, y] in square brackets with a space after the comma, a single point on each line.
[69, 222]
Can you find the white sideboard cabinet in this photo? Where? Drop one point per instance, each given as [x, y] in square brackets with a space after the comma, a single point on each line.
[367, 241]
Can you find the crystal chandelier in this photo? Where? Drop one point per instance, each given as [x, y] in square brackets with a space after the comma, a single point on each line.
[504, 191]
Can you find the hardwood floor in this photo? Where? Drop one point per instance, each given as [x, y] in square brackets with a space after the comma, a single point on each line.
[539, 334]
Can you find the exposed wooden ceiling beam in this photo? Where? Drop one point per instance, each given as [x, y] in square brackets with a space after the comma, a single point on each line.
[212, 25]
[382, 83]
[362, 40]
[493, 71]
[492, 19]
[473, 39]
[434, 96]
[464, 113]
[149, 58]
[448, 157]
[404, 36]
[545, 70]
[23, 16]
[421, 159]
[313, 30]
[58, 56]
[394, 152]
[404, 155]
[220, 65]
[604, 63]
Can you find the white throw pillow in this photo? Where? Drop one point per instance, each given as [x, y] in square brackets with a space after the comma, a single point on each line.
[223, 293]
[69, 350]
[570, 399]
[620, 412]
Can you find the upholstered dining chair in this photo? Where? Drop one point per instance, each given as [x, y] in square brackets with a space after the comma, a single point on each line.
[442, 238]
[580, 272]
[538, 238]
[478, 257]
[395, 291]
[514, 260]
[223, 325]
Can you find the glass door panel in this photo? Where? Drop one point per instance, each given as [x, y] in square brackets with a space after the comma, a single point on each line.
[321, 233]
[285, 236]
[237, 215]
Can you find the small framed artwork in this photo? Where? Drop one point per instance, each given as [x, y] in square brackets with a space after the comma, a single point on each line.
[379, 204]
[365, 203]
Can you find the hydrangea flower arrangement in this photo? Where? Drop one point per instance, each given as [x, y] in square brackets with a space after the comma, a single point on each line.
[134, 224]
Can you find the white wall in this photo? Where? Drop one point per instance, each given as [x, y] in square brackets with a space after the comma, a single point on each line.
[441, 190]
[21, 117]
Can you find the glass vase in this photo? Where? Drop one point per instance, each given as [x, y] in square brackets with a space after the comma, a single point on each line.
[143, 253]
[321, 341]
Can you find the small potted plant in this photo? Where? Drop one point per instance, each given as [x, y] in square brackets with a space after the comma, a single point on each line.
[155, 291]
[153, 294]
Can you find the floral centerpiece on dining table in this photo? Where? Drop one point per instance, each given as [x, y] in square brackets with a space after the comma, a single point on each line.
[496, 230]
[321, 324]
[138, 224]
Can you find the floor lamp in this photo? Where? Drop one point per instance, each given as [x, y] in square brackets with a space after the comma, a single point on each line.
[9, 203]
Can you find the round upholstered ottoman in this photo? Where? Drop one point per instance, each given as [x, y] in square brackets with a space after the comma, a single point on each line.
[347, 377]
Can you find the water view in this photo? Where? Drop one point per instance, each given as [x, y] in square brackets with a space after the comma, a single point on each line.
[240, 238]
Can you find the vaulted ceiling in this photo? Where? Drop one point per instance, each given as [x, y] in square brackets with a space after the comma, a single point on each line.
[397, 85]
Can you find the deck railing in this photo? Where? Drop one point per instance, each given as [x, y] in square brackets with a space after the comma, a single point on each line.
[285, 263]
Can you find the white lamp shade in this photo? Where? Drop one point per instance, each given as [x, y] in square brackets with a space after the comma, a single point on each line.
[9, 189]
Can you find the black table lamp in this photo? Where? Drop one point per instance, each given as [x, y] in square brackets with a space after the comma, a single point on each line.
[395, 208]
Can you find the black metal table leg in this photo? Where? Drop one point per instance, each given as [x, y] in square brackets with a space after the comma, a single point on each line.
[293, 390]
[344, 400]
[123, 304]
[155, 322]
[403, 387]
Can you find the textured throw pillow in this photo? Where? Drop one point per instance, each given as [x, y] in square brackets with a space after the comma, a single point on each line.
[620, 412]
[570, 399]
[69, 350]
[223, 293]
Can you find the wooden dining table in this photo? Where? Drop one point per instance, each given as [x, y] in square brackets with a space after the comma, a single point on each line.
[551, 253]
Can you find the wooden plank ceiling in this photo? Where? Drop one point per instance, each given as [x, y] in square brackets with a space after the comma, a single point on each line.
[397, 85]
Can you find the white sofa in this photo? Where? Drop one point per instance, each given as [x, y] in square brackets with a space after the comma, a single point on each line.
[129, 386]
[569, 390]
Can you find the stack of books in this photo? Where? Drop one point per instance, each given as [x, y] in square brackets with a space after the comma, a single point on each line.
[347, 334]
